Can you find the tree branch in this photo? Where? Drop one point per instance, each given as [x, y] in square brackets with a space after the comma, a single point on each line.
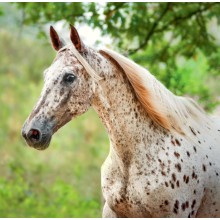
[151, 31]
[176, 20]
[111, 12]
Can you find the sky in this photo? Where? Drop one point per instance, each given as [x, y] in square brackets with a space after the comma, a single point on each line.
[84, 32]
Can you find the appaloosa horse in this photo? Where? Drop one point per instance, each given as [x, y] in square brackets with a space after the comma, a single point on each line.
[164, 158]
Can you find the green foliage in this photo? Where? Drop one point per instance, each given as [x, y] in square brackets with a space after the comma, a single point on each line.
[51, 11]
[136, 25]
[191, 79]
[1, 11]
[18, 198]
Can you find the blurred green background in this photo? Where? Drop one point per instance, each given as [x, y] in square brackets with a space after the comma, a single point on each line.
[177, 42]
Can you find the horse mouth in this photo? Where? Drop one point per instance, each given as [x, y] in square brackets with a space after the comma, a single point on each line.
[38, 134]
[40, 145]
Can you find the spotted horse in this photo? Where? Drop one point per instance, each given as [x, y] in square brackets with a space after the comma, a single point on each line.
[164, 158]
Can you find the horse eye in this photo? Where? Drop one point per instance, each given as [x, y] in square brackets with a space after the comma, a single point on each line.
[69, 78]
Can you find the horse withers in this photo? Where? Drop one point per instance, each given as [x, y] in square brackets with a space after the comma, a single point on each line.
[164, 149]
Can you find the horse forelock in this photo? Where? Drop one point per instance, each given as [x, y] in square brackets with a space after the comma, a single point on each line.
[82, 60]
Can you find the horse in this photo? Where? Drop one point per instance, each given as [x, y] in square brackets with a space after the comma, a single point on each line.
[164, 149]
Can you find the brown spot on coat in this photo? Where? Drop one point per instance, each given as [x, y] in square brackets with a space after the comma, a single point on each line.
[173, 142]
[204, 168]
[176, 205]
[177, 142]
[177, 183]
[163, 173]
[193, 203]
[177, 155]
[178, 167]
[183, 206]
[184, 178]
[175, 211]
[174, 177]
[194, 149]
[192, 130]
[187, 179]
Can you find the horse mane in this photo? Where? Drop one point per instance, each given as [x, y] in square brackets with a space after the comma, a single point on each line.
[174, 113]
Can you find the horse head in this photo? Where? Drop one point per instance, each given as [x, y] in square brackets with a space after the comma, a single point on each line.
[67, 92]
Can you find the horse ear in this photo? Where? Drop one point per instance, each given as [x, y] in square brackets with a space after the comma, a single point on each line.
[74, 36]
[56, 41]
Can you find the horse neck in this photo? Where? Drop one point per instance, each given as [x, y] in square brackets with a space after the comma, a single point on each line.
[123, 116]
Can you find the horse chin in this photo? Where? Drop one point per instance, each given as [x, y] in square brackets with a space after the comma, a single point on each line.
[40, 146]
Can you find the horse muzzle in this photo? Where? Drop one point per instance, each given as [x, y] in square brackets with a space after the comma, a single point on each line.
[37, 134]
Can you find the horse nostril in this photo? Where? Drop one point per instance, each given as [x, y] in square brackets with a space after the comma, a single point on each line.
[33, 135]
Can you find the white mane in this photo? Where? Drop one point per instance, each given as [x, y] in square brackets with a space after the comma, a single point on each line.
[172, 112]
